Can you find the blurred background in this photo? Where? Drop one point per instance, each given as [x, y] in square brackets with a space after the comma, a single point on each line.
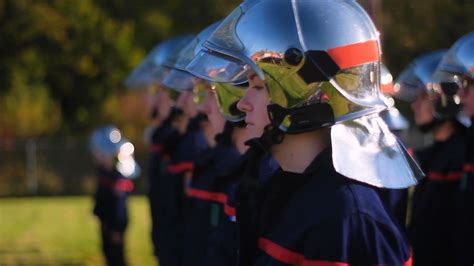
[62, 63]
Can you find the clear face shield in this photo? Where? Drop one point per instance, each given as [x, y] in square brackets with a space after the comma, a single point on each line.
[145, 75]
[179, 80]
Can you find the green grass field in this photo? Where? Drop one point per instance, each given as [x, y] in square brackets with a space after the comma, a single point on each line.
[63, 231]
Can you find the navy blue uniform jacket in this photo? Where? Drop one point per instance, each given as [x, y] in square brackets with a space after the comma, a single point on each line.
[111, 199]
[321, 218]
[206, 203]
[434, 201]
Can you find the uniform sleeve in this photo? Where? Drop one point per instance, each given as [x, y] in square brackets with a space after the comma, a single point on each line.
[356, 240]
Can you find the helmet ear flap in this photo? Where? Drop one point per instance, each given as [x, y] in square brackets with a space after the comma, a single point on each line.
[316, 72]
[302, 119]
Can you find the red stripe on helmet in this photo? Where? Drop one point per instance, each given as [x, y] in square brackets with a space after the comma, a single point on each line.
[387, 88]
[355, 54]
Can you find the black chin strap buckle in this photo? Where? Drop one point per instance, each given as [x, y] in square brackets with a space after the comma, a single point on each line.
[271, 135]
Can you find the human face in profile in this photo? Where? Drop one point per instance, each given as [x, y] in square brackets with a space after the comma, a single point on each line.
[254, 104]
[422, 109]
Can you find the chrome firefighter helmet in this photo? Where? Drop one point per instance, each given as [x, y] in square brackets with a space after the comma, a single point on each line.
[108, 141]
[315, 56]
[415, 78]
[157, 64]
[321, 64]
[179, 78]
[420, 76]
[227, 95]
[457, 62]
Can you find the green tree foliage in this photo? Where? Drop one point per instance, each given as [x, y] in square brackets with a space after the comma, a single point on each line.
[411, 28]
[62, 61]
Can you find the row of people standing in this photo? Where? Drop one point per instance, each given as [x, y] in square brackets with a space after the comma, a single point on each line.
[308, 190]
[437, 85]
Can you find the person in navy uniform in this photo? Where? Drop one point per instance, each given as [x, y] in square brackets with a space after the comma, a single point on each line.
[435, 110]
[177, 175]
[113, 156]
[312, 102]
[161, 136]
[206, 202]
[457, 68]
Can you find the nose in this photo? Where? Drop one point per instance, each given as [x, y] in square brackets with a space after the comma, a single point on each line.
[244, 105]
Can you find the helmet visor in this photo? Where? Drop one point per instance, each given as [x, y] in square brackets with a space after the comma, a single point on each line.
[179, 80]
[218, 68]
[408, 86]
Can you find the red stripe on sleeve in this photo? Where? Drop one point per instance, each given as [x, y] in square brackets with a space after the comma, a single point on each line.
[355, 54]
[156, 148]
[409, 262]
[212, 196]
[280, 253]
[468, 167]
[180, 167]
[451, 176]
[323, 263]
[287, 256]
[229, 210]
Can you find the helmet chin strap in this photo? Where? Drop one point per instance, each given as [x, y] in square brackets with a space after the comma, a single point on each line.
[250, 196]
[271, 135]
[258, 147]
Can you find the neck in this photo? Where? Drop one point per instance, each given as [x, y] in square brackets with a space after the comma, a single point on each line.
[238, 139]
[296, 152]
[444, 131]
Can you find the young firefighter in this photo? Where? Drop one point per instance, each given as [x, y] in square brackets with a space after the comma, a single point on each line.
[457, 67]
[113, 156]
[435, 110]
[310, 65]
[161, 136]
[211, 232]
[222, 157]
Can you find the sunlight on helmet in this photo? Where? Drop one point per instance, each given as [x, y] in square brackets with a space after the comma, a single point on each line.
[126, 149]
[126, 166]
[115, 136]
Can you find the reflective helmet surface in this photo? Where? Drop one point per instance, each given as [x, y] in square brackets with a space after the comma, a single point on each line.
[108, 140]
[157, 64]
[420, 76]
[226, 94]
[458, 61]
[415, 78]
[321, 56]
[178, 77]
